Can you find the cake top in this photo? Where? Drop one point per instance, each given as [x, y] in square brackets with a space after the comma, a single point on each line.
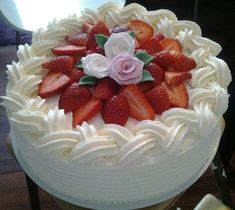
[145, 85]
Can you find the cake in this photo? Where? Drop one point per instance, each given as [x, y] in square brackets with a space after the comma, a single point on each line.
[114, 147]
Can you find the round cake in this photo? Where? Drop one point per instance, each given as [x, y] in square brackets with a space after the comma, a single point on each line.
[119, 108]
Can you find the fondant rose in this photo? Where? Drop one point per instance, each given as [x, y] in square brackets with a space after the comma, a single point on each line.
[126, 69]
[119, 43]
[95, 65]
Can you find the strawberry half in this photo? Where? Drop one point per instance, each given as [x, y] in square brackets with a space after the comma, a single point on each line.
[158, 98]
[156, 72]
[79, 39]
[76, 75]
[99, 28]
[159, 36]
[143, 31]
[73, 97]
[86, 111]
[140, 108]
[174, 61]
[173, 78]
[145, 86]
[151, 45]
[116, 110]
[69, 50]
[178, 95]
[105, 88]
[171, 45]
[64, 64]
[53, 83]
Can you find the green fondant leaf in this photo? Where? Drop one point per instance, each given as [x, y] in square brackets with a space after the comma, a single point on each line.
[147, 76]
[132, 34]
[101, 40]
[145, 57]
[87, 80]
[79, 65]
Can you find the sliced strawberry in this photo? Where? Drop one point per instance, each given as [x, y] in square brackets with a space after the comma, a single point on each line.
[178, 95]
[86, 111]
[159, 36]
[171, 45]
[53, 83]
[120, 28]
[86, 27]
[140, 108]
[116, 110]
[156, 72]
[77, 58]
[69, 50]
[145, 86]
[158, 98]
[76, 75]
[99, 28]
[64, 64]
[173, 78]
[105, 88]
[174, 61]
[79, 39]
[151, 45]
[73, 97]
[143, 31]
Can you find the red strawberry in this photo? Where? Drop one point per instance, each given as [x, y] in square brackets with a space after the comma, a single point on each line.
[69, 50]
[86, 27]
[73, 97]
[178, 95]
[53, 83]
[158, 98]
[120, 28]
[173, 78]
[171, 45]
[105, 88]
[64, 64]
[143, 31]
[140, 108]
[174, 61]
[76, 75]
[145, 86]
[86, 111]
[156, 72]
[77, 58]
[78, 39]
[151, 45]
[116, 110]
[159, 36]
[99, 28]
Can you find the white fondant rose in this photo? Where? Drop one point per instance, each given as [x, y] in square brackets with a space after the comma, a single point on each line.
[126, 69]
[119, 43]
[95, 65]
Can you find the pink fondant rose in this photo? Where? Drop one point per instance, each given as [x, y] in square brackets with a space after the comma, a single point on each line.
[126, 69]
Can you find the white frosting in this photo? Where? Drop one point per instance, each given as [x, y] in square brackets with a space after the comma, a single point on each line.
[111, 144]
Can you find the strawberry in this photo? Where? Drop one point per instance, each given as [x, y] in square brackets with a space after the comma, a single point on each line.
[79, 39]
[86, 111]
[156, 72]
[64, 64]
[178, 95]
[69, 50]
[116, 110]
[173, 78]
[86, 27]
[120, 28]
[140, 108]
[159, 36]
[171, 45]
[158, 98]
[53, 83]
[77, 58]
[76, 75]
[143, 31]
[174, 61]
[99, 28]
[105, 88]
[145, 86]
[73, 97]
[151, 45]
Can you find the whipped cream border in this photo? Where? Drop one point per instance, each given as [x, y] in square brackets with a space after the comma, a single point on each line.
[174, 132]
